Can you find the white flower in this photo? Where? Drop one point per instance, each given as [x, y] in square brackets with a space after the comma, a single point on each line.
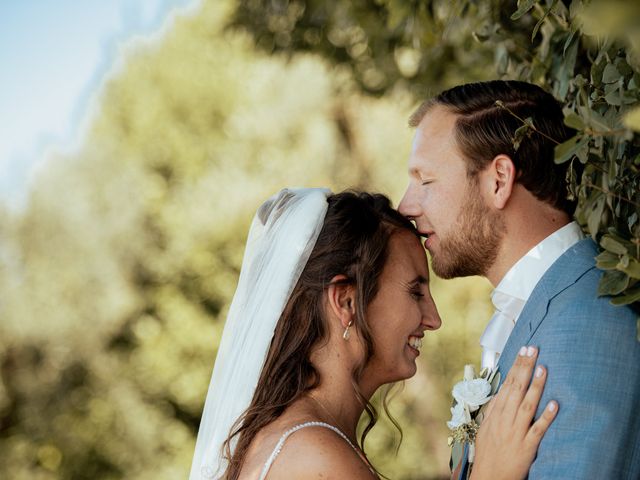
[469, 372]
[459, 416]
[472, 393]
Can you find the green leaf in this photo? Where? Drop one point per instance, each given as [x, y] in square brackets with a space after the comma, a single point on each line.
[502, 59]
[523, 7]
[615, 234]
[596, 72]
[629, 297]
[610, 244]
[613, 282]
[519, 135]
[607, 260]
[610, 74]
[564, 52]
[546, 13]
[632, 268]
[495, 383]
[574, 121]
[566, 150]
[623, 67]
[613, 98]
[580, 81]
[583, 153]
[594, 119]
[624, 262]
[456, 454]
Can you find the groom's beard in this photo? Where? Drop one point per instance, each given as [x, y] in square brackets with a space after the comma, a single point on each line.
[471, 245]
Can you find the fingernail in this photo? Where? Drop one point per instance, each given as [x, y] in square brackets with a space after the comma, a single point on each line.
[552, 407]
[531, 351]
[523, 351]
[539, 372]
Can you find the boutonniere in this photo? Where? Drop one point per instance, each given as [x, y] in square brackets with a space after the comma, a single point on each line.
[470, 396]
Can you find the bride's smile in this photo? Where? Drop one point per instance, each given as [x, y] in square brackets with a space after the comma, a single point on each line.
[401, 311]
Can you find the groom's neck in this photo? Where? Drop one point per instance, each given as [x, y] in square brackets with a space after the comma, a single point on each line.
[525, 228]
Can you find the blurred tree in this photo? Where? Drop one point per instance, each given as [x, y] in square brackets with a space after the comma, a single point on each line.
[586, 53]
[416, 45]
[115, 279]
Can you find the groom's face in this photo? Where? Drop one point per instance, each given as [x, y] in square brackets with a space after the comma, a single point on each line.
[462, 232]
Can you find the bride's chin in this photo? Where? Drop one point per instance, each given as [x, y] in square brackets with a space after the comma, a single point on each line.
[399, 376]
[377, 377]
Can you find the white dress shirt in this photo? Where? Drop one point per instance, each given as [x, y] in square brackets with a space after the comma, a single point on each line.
[514, 290]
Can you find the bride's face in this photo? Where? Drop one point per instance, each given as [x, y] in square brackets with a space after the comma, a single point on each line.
[401, 311]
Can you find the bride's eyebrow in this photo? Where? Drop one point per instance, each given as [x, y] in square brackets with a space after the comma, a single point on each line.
[419, 280]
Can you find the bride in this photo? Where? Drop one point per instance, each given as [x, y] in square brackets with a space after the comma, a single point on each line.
[333, 302]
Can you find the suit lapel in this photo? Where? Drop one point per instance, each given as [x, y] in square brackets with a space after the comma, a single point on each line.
[565, 271]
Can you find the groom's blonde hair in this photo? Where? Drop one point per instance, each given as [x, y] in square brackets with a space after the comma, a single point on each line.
[490, 113]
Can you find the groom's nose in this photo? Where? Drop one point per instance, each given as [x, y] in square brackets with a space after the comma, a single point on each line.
[408, 205]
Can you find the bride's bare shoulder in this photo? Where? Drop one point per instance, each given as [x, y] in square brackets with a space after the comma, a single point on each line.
[317, 452]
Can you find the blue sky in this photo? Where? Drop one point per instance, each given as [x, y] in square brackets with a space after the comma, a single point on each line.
[53, 55]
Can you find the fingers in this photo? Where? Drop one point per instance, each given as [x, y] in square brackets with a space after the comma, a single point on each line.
[506, 431]
[540, 426]
[489, 408]
[515, 386]
[531, 399]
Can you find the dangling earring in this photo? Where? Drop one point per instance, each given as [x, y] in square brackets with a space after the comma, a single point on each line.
[346, 333]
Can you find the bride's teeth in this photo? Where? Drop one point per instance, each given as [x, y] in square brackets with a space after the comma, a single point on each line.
[415, 342]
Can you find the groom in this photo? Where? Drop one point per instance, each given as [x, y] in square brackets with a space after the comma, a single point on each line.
[487, 208]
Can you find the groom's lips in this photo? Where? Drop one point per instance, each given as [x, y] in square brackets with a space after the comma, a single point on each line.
[427, 238]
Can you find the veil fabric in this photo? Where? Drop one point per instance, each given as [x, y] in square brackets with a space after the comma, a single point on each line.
[282, 236]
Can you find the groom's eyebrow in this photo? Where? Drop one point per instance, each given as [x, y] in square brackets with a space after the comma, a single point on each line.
[415, 172]
[419, 170]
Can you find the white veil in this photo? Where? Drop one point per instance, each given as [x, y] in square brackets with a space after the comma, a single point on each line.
[282, 236]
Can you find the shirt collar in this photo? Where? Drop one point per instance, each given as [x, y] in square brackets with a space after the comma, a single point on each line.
[523, 277]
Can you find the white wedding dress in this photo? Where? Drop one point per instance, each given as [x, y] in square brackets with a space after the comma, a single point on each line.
[285, 435]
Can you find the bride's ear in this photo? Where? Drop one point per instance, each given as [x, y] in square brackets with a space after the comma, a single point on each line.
[341, 299]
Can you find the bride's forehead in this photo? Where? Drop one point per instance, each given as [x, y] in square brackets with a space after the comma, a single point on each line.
[405, 251]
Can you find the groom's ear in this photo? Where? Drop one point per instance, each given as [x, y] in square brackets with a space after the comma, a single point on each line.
[502, 176]
[341, 299]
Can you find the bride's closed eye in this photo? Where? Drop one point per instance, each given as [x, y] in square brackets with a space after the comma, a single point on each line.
[414, 289]
[416, 293]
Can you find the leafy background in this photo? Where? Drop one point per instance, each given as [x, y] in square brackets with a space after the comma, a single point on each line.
[115, 279]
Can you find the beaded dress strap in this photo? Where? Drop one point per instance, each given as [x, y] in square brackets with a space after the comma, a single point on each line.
[286, 435]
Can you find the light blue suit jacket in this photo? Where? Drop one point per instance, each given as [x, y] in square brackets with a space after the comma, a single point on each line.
[593, 360]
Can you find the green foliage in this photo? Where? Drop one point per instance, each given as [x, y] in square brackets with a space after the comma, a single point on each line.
[586, 53]
[417, 45]
[596, 76]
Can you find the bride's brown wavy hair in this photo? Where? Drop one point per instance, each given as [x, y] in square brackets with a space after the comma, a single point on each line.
[353, 242]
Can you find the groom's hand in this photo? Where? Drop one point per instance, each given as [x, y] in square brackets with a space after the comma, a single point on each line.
[507, 441]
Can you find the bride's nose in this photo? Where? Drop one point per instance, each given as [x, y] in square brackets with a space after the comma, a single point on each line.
[431, 318]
